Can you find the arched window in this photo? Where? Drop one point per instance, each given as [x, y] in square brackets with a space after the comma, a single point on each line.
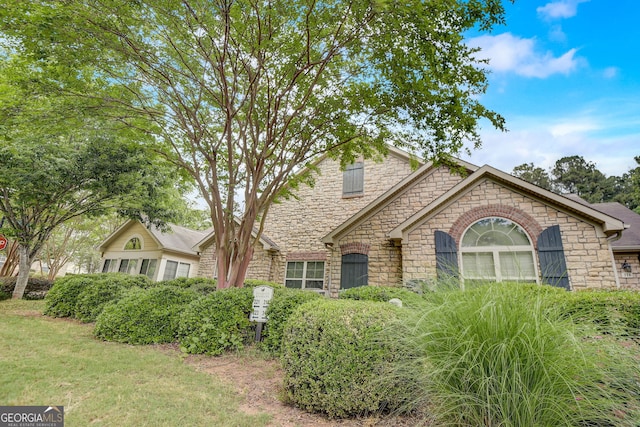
[497, 249]
[133, 244]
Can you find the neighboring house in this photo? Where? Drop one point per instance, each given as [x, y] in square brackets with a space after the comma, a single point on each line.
[626, 249]
[136, 249]
[386, 223]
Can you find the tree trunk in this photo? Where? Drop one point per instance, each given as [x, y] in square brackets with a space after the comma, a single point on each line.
[10, 264]
[23, 273]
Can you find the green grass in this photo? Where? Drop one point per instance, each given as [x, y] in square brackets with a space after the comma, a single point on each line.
[47, 361]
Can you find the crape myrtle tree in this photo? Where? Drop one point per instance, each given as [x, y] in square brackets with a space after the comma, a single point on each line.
[61, 161]
[245, 94]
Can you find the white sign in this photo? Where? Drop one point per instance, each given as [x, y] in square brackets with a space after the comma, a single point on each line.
[261, 297]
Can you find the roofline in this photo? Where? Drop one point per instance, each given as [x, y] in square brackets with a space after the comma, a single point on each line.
[267, 243]
[630, 248]
[106, 242]
[385, 198]
[609, 224]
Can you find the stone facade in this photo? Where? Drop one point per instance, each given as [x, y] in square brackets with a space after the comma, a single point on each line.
[321, 224]
[586, 249]
[296, 225]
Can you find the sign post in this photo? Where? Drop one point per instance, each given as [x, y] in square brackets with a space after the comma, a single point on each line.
[3, 242]
[262, 295]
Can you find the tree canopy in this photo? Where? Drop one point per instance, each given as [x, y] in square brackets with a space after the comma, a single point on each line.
[243, 94]
[575, 175]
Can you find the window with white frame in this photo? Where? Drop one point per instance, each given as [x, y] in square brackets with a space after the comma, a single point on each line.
[109, 265]
[134, 244]
[497, 249]
[175, 269]
[305, 274]
[148, 267]
[128, 266]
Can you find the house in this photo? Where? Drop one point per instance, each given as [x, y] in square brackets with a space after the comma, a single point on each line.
[389, 223]
[136, 249]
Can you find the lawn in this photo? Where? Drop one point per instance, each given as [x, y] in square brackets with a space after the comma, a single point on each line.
[47, 361]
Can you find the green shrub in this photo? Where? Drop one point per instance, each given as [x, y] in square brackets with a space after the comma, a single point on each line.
[499, 355]
[37, 287]
[611, 312]
[335, 361]
[382, 294]
[105, 288]
[254, 283]
[284, 302]
[202, 285]
[217, 322]
[62, 298]
[144, 316]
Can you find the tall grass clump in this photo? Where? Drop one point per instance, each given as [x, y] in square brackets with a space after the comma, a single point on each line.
[497, 355]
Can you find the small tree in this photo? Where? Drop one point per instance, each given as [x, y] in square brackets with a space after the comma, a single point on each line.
[61, 161]
[243, 94]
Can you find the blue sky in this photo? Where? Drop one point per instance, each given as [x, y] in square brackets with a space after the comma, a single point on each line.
[565, 74]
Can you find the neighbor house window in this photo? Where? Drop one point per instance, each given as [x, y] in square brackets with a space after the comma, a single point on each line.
[148, 267]
[175, 269]
[133, 244]
[128, 266]
[109, 265]
[305, 274]
[497, 249]
[353, 180]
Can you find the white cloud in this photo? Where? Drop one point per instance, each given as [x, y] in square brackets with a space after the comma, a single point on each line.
[610, 72]
[560, 9]
[509, 53]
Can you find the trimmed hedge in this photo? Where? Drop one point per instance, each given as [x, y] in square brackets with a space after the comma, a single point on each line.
[217, 322]
[37, 287]
[335, 359]
[254, 283]
[62, 298]
[202, 285]
[615, 312]
[144, 316]
[284, 302]
[105, 288]
[382, 294]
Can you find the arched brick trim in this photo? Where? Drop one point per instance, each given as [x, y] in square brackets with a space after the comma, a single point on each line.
[514, 214]
[355, 248]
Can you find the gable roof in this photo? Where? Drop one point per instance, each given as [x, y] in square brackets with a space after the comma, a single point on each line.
[178, 239]
[207, 240]
[390, 195]
[610, 225]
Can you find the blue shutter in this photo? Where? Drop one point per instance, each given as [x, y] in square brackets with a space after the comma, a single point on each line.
[553, 267]
[354, 271]
[446, 255]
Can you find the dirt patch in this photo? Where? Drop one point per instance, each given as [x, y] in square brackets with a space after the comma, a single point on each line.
[259, 381]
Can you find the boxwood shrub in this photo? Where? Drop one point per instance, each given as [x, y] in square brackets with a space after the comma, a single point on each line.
[217, 322]
[335, 361]
[144, 316]
[105, 288]
[62, 298]
[202, 285]
[611, 312]
[382, 294]
[284, 302]
[37, 287]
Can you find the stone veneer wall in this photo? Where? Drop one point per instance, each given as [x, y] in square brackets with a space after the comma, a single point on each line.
[298, 225]
[628, 280]
[586, 250]
[385, 258]
[261, 267]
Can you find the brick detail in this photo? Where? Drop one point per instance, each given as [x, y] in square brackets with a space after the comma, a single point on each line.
[355, 248]
[524, 220]
[307, 256]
